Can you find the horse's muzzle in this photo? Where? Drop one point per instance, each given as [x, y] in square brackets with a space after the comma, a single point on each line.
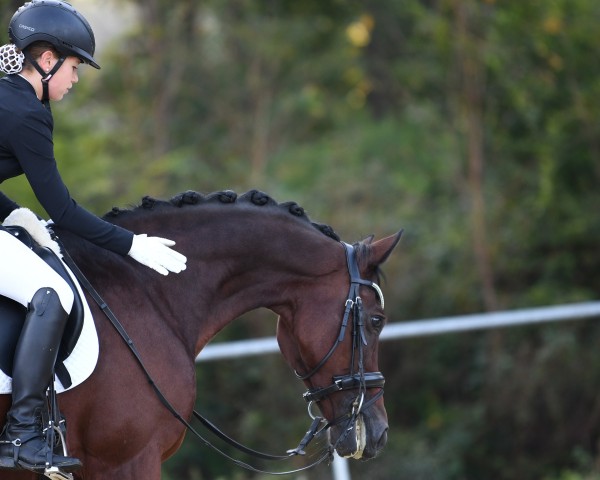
[362, 440]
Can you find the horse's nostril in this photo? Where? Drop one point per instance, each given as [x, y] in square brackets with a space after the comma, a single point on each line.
[382, 440]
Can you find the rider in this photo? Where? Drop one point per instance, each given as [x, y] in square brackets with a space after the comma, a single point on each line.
[49, 39]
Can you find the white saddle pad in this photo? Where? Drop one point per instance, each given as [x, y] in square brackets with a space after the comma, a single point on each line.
[84, 357]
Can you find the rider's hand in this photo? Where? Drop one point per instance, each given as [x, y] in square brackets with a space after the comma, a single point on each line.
[154, 252]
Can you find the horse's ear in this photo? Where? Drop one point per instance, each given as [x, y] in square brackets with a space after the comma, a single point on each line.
[368, 240]
[381, 249]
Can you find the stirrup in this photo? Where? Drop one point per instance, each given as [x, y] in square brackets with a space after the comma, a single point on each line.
[55, 473]
[55, 433]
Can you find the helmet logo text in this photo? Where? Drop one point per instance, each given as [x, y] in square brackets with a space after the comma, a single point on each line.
[31, 29]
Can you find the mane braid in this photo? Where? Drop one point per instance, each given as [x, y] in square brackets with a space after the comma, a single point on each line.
[254, 197]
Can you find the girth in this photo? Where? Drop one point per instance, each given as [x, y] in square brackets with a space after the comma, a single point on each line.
[13, 313]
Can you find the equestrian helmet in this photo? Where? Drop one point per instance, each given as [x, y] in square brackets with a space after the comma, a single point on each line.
[55, 22]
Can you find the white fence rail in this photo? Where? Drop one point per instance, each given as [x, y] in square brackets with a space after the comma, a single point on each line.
[421, 328]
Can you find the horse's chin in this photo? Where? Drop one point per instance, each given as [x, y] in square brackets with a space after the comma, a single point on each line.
[360, 442]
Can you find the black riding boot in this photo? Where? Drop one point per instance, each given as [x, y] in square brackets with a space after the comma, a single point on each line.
[22, 444]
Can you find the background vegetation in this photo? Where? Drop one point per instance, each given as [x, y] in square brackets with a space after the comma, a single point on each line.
[472, 124]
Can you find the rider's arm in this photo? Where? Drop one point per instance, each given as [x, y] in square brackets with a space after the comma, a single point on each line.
[32, 144]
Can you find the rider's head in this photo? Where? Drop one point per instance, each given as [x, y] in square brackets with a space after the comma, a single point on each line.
[40, 26]
[57, 23]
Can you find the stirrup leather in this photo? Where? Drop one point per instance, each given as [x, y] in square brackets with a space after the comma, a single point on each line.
[55, 434]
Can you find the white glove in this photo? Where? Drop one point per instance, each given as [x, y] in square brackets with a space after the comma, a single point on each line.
[154, 252]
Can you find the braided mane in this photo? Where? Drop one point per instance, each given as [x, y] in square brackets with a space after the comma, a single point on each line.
[252, 197]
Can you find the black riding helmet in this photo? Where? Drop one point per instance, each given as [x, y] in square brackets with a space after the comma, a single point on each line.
[55, 22]
[59, 24]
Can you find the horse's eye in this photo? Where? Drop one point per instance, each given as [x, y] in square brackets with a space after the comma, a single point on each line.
[377, 322]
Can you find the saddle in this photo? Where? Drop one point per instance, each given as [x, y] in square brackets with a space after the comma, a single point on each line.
[12, 314]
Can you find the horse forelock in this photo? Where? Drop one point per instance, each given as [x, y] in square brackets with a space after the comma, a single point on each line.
[224, 197]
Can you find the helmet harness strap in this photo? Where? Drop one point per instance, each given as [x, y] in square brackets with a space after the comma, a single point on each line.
[46, 76]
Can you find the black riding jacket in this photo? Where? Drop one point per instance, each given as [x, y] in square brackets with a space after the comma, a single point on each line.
[26, 147]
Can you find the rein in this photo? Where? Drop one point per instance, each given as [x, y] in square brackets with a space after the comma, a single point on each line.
[360, 379]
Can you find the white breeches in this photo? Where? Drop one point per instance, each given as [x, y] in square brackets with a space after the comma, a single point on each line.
[22, 273]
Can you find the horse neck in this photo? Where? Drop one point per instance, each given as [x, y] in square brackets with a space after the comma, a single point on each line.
[240, 259]
[263, 259]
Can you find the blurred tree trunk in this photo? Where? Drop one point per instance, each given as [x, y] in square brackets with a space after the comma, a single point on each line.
[169, 28]
[471, 94]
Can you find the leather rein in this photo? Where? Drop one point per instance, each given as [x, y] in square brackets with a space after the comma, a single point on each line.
[357, 379]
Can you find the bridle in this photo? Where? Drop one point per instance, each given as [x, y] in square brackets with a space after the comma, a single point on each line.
[357, 378]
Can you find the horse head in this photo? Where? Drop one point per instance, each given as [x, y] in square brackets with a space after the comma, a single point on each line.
[331, 339]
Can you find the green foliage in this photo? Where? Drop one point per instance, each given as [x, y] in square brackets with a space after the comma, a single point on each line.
[471, 124]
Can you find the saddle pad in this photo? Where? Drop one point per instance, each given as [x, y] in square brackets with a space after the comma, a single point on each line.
[84, 356]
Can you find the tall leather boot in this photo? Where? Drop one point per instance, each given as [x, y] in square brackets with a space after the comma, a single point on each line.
[22, 443]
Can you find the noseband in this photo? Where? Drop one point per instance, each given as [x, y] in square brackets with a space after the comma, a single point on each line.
[357, 378]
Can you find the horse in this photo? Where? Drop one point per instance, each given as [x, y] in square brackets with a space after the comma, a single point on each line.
[244, 252]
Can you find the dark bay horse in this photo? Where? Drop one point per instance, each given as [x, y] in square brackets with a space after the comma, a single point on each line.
[243, 253]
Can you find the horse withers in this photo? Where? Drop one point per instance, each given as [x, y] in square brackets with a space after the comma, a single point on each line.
[243, 253]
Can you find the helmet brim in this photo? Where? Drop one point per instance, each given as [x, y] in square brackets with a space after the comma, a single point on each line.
[83, 56]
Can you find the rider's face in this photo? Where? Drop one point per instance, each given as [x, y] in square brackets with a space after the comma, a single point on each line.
[62, 81]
